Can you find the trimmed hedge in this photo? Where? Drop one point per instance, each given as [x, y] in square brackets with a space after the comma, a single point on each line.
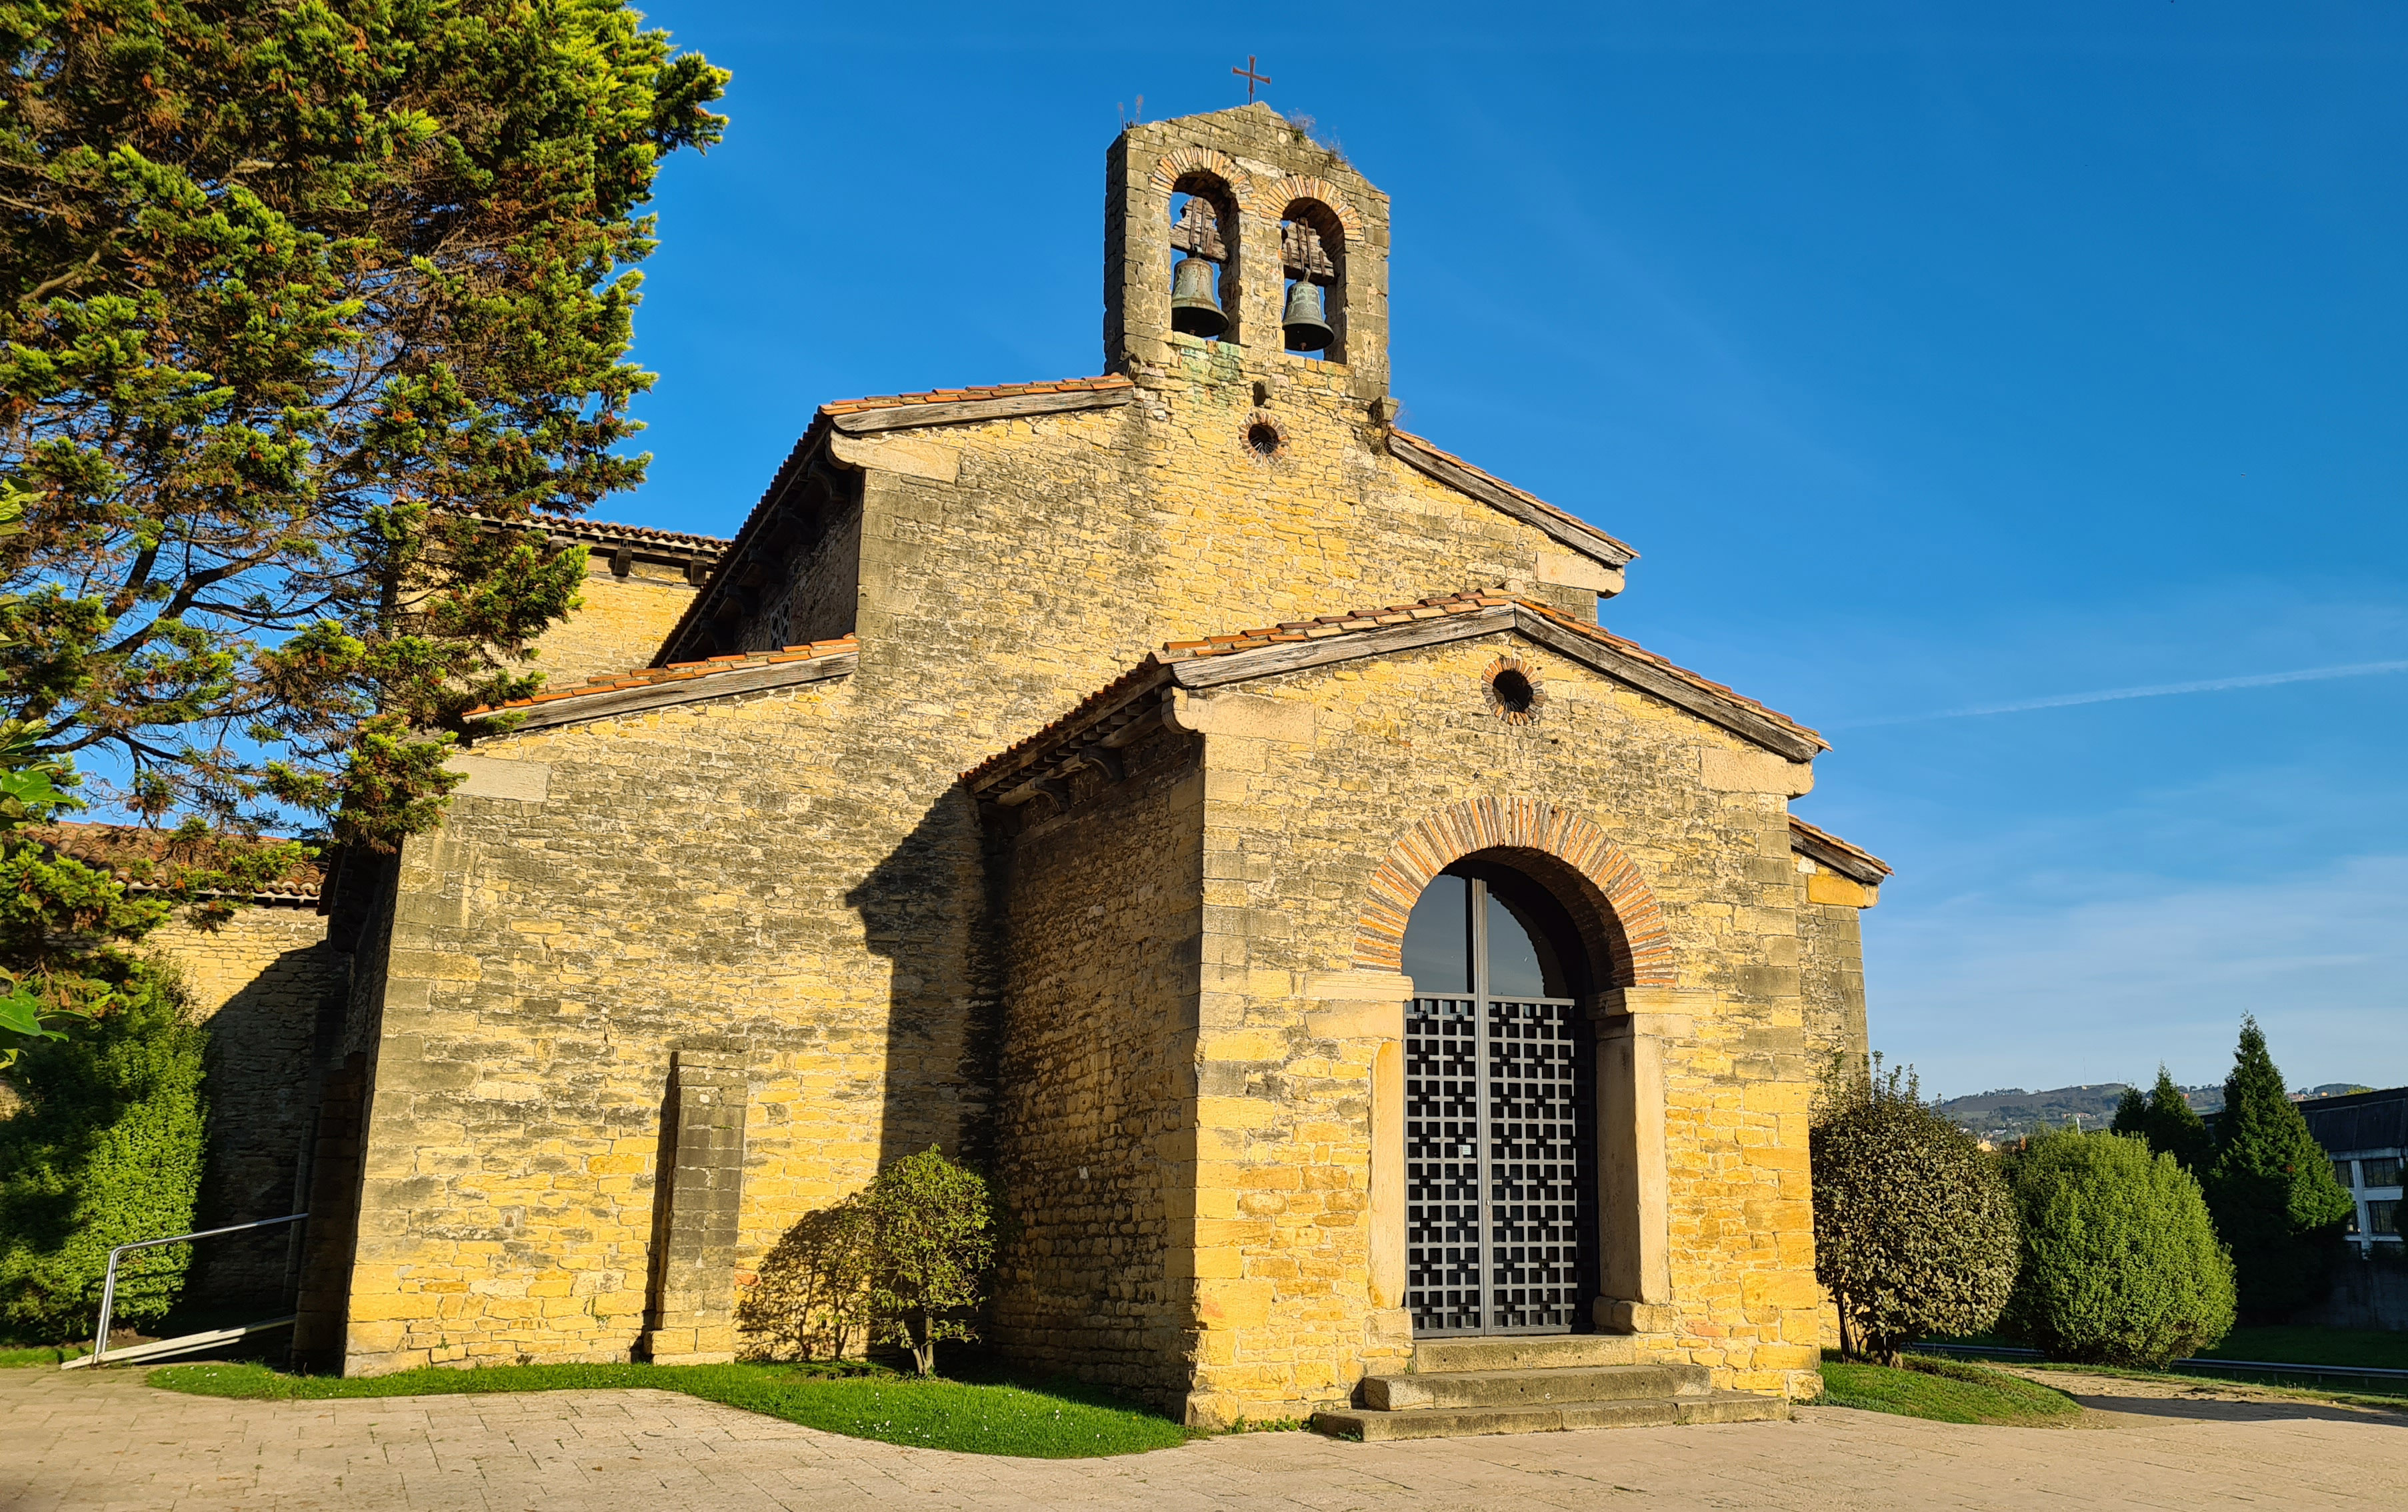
[2121, 1264]
[106, 1151]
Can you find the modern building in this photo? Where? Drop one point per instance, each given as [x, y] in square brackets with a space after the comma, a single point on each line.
[2366, 1133]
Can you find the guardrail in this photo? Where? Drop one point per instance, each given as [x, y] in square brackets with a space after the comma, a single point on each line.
[182, 1343]
[2196, 1362]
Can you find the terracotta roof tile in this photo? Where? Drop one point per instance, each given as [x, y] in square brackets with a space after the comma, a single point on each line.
[677, 671]
[1155, 666]
[139, 855]
[611, 530]
[966, 395]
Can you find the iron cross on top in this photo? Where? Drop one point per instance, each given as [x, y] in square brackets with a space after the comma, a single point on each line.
[1252, 77]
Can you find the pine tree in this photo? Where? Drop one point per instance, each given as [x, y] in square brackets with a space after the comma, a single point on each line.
[2272, 1188]
[310, 313]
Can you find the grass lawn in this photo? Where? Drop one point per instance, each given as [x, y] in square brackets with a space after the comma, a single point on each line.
[1945, 1390]
[40, 1354]
[2370, 1348]
[1055, 1422]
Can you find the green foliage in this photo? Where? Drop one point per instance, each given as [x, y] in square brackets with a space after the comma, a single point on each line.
[1060, 1421]
[1946, 1392]
[1914, 1231]
[287, 293]
[933, 1224]
[2172, 1127]
[813, 1300]
[2120, 1263]
[106, 1151]
[2272, 1188]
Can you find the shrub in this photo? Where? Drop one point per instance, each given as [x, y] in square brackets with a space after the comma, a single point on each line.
[105, 1151]
[1914, 1231]
[934, 1234]
[2120, 1263]
[2272, 1188]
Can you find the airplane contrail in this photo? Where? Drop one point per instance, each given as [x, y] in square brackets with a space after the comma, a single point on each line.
[2161, 690]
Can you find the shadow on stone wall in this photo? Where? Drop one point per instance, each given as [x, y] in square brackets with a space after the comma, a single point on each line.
[261, 1106]
[927, 910]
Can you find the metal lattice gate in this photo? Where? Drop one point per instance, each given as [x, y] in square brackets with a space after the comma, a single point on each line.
[1494, 1108]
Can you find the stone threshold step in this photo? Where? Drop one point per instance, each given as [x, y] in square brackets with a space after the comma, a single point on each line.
[1527, 1388]
[1375, 1427]
[1526, 1352]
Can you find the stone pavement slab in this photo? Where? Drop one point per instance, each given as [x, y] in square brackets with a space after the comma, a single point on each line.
[98, 1443]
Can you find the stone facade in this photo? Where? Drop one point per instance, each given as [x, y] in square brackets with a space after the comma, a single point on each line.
[1140, 960]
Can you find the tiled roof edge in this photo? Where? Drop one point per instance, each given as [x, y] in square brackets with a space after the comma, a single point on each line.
[1720, 691]
[1852, 861]
[1489, 489]
[577, 528]
[1219, 659]
[674, 674]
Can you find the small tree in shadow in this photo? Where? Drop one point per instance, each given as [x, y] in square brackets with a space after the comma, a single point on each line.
[813, 1298]
[934, 1223]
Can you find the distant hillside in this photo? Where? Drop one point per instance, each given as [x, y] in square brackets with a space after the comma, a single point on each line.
[2013, 1112]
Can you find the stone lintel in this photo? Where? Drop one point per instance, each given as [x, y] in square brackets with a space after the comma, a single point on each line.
[1831, 887]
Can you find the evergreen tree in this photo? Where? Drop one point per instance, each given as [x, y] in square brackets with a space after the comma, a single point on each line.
[2272, 1188]
[2172, 1127]
[287, 293]
[106, 1151]
[2132, 1115]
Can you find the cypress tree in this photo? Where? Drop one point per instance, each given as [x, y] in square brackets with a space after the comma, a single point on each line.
[2172, 1127]
[2272, 1188]
[2131, 1114]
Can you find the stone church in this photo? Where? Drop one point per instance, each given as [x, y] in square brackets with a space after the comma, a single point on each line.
[1215, 810]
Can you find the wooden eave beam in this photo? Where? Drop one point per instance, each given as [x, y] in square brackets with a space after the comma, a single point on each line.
[580, 708]
[971, 411]
[1854, 868]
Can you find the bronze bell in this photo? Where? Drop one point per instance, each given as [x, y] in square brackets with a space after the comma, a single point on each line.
[1195, 309]
[1307, 328]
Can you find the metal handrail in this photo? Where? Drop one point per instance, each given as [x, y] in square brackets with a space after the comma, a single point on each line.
[108, 1281]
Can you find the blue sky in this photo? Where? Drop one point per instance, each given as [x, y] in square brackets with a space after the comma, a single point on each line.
[1936, 358]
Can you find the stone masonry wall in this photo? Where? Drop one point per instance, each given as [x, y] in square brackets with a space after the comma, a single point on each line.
[1100, 920]
[1831, 970]
[803, 868]
[621, 624]
[1297, 822]
[258, 981]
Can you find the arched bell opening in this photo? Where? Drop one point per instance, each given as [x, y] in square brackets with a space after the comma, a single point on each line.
[1499, 1105]
[1204, 267]
[1313, 254]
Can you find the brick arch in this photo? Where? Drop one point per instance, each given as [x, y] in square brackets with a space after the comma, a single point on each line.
[1180, 162]
[1297, 186]
[1616, 911]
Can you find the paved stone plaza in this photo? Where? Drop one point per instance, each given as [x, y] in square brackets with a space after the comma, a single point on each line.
[76, 1442]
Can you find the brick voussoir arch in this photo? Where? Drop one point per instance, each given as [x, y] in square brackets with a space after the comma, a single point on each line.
[1640, 956]
[1180, 162]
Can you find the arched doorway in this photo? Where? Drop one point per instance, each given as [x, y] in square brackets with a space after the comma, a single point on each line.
[1500, 1122]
